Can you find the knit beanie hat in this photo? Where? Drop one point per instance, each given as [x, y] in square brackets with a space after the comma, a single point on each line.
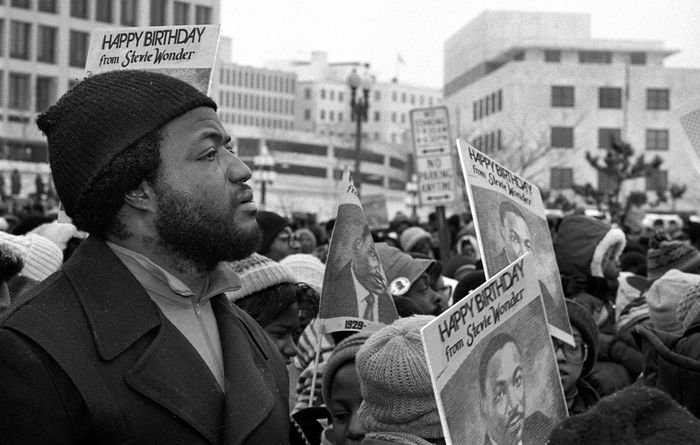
[344, 352]
[103, 115]
[581, 244]
[271, 224]
[581, 319]
[470, 281]
[41, 257]
[411, 236]
[59, 233]
[382, 438]
[671, 255]
[664, 296]
[258, 272]
[396, 387]
[401, 269]
[306, 269]
[459, 265]
[630, 302]
[689, 307]
[637, 414]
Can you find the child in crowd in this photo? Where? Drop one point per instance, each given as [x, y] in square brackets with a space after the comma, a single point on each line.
[341, 392]
[409, 281]
[575, 363]
[587, 252]
[272, 296]
[398, 402]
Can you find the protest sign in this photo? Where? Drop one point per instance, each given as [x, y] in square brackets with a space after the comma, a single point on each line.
[185, 52]
[355, 290]
[492, 363]
[376, 211]
[509, 219]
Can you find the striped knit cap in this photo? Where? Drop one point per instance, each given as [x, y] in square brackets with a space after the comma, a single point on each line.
[103, 115]
[258, 272]
[41, 256]
[671, 255]
[396, 389]
[689, 307]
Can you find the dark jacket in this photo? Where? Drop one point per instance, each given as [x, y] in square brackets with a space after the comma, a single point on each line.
[673, 363]
[89, 358]
[586, 397]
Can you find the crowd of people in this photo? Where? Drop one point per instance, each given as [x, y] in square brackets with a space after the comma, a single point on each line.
[188, 315]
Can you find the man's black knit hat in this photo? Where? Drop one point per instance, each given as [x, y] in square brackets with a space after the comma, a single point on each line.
[103, 115]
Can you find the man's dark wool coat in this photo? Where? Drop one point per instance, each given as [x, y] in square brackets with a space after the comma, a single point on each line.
[89, 358]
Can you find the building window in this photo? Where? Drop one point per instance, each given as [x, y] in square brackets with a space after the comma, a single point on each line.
[307, 93]
[323, 115]
[46, 44]
[393, 117]
[26, 4]
[552, 56]
[78, 48]
[79, 9]
[607, 136]
[323, 93]
[413, 99]
[307, 114]
[20, 35]
[158, 11]
[657, 180]
[403, 98]
[202, 15]
[563, 96]
[376, 116]
[657, 139]
[500, 100]
[393, 96]
[45, 92]
[474, 110]
[340, 96]
[638, 58]
[403, 118]
[128, 12]
[562, 137]
[103, 11]
[47, 6]
[181, 13]
[377, 96]
[19, 91]
[561, 178]
[2, 38]
[610, 97]
[487, 105]
[657, 99]
[603, 57]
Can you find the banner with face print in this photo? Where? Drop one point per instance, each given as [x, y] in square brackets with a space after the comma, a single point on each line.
[355, 290]
[492, 363]
[509, 218]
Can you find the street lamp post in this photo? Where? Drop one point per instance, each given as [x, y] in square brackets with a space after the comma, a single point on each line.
[412, 198]
[265, 170]
[359, 104]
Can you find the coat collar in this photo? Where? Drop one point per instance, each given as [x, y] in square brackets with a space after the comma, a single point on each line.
[170, 371]
[123, 312]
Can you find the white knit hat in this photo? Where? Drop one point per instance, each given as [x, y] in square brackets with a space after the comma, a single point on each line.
[411, 236]
[664, 296]
[41, 256]
[258, 272]
[306, 269]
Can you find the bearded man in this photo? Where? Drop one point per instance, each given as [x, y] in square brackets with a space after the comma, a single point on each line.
[134, 340]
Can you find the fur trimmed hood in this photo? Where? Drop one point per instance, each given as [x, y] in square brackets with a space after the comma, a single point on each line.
[581, 243]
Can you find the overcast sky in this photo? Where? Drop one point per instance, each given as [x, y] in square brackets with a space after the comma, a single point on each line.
[378, 30]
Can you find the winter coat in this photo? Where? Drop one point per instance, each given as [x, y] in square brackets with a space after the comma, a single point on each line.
[90, 358]
[672, 363]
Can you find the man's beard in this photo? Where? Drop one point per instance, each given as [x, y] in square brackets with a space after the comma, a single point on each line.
[196, 233]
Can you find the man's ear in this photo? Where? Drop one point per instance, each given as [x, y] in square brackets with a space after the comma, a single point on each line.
[141, 198]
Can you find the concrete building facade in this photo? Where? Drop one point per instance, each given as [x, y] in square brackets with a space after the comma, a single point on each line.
[536, 91]
[323, 101]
